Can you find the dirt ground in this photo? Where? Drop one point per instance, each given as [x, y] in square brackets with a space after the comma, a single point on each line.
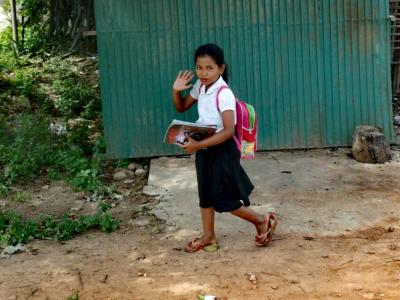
[141, 260]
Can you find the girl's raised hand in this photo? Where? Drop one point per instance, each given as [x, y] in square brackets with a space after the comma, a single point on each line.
[182, 82]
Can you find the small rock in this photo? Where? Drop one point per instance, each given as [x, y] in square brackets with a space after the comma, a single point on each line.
[139, 222]
[9, 250]
[390, 229]
[129, 181]
[133, 166]
[368, 296]
[129, 173]
[45, 187]
[252, 278]
[140, 172]
[370, 145]
[294, 281]
[118, 197]
[274, 286]
[136, 256]
[120, 175]
[105, 176]
[397, 120]
[392, 247]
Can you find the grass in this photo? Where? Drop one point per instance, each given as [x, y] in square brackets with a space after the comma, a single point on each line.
[15, 230]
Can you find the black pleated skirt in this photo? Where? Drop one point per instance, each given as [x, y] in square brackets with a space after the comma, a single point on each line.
[222, 182]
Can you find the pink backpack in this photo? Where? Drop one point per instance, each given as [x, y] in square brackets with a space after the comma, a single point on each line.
[246, 127]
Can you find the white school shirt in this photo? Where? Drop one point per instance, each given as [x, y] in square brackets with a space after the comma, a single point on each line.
[207, 102]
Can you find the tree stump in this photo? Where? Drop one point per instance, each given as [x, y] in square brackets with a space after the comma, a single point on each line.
[370, 145]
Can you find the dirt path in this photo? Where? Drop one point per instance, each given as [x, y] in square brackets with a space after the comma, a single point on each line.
[131, 264]
[144, 260]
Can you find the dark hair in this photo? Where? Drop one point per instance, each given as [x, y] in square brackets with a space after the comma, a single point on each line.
[216, 53]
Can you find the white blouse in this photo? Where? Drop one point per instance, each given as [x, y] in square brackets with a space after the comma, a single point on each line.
[207, 102]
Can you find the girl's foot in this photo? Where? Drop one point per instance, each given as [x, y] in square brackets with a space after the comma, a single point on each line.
[266, 230]
[197, 244]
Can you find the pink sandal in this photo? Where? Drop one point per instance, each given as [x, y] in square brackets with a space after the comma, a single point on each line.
[263, 239]
[195, 245]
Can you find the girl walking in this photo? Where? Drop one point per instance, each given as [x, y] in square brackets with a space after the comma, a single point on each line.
[223, 185]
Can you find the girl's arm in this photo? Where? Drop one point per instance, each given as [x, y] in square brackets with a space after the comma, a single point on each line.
[228, 119]
[182, 83]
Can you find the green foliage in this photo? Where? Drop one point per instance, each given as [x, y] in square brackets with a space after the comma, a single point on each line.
[34, 13]
[14, 230]
[82, 173]
[48, 25]
[30, 150]
[73, 297]
[76, 98]
[35, 93]
[19, 196]
[6, 40]
[26, 83]
[8, 58]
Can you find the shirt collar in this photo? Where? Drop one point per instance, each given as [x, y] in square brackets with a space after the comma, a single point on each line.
[216, 85]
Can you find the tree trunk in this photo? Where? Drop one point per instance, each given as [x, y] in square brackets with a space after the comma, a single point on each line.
[14, 23]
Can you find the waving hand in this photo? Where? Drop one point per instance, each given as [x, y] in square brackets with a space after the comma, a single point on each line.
[182, 82]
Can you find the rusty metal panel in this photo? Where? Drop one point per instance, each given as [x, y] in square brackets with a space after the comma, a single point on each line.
[314, 69]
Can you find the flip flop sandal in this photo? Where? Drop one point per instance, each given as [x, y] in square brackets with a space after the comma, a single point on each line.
[194, 246]
[263, 239]
[211, 247]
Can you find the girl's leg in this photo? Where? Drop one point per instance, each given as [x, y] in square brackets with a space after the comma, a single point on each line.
[207, 219]
[208, 237]
[251, 216]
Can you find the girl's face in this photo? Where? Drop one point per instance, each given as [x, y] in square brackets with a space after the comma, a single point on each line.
[207, 70]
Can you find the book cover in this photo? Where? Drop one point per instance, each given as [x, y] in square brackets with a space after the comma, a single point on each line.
[178, 131]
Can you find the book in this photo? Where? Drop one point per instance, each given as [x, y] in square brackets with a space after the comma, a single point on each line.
[178, 131]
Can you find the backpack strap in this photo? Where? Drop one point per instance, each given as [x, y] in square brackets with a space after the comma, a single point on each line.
[219, 91]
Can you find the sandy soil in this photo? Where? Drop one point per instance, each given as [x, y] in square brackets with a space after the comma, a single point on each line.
[142, 261]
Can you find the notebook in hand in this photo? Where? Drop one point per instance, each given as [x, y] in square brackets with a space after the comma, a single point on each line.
[178, 131]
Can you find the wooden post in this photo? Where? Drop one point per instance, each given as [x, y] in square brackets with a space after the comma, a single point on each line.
[14, 23]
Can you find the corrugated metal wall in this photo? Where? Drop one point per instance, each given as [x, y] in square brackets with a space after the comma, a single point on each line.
[313, 68]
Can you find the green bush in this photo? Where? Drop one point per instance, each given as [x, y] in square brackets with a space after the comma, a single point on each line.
[36, 92]
[26, 83]
[30, 151]
[76, 98]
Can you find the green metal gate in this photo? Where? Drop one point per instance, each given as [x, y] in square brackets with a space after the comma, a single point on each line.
[314, 69]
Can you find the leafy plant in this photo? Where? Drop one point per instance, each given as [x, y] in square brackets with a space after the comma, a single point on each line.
[35, 93]
[76, 98]
[14, 230]
[74, 297]
[19, 196]
[30, 150]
